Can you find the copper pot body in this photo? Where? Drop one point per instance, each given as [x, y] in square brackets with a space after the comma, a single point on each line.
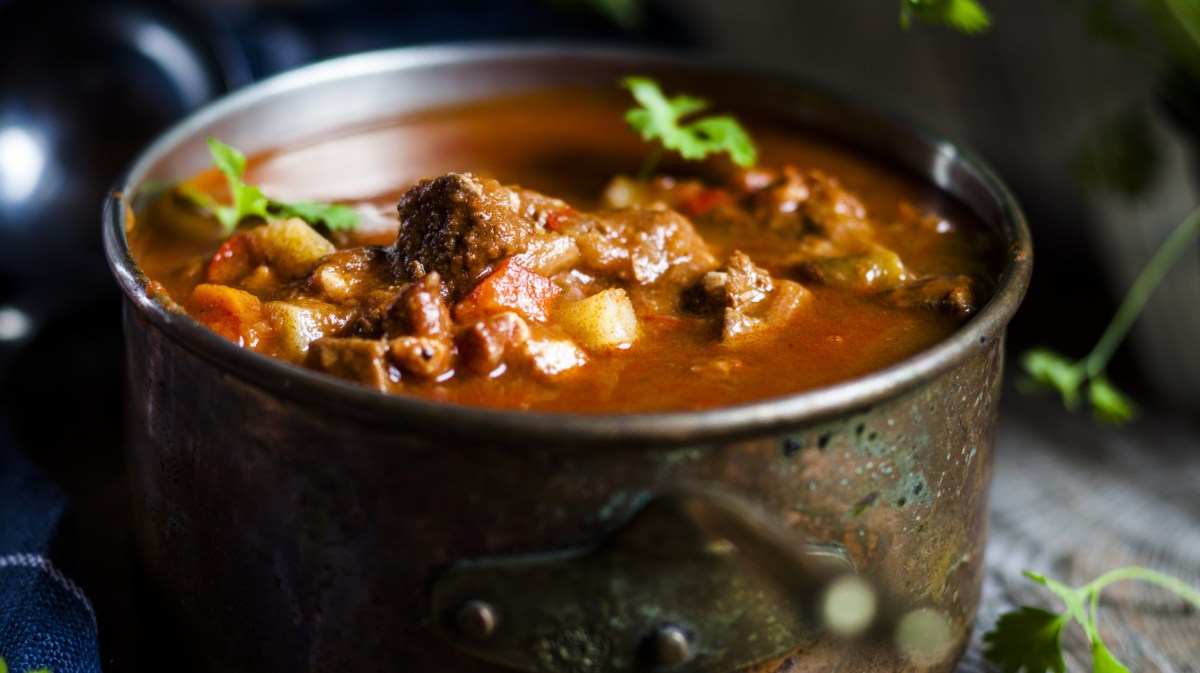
[296, 523]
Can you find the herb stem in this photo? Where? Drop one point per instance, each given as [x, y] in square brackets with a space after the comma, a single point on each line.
[1139, 294]
[650, 164]
[1179, 587]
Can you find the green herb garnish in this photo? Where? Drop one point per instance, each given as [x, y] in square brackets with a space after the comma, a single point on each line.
[1051, 370]
[1030, 639]
[965, 16]
[661, 118]
[249, 201]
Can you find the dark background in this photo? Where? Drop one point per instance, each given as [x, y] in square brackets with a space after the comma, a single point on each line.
[87, 84]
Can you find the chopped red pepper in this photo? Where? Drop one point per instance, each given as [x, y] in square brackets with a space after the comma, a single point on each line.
[553, 216]
[234, 260]
[705, 201]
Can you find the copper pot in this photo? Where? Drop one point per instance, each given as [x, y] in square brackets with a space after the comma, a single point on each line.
[298, 523]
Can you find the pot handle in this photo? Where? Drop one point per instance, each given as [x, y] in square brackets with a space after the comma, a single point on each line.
[695, 576]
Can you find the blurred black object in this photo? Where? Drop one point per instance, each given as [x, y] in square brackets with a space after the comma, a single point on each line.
[84, 85]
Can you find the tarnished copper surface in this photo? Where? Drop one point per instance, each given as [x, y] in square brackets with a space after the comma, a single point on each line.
[300, 539]
[297, 523]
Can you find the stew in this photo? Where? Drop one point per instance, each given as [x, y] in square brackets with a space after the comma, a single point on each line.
[508, 259]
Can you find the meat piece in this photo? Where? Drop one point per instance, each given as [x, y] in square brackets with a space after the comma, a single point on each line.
[746, 297]
[959, 296]
[423, 356]
[361, 360]
[877, 269]
[461, 226]
[640, 246]
[813, 203]
[419, 310]
[482, 347]
[347, 275]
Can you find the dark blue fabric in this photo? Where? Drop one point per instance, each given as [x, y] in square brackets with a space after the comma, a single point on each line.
[45, 619]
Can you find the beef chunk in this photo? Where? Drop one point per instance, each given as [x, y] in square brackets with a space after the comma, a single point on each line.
[362, 360]
[419, 310]
[484, 345]
[423, 356]
[813, 203]
[347, 275]
[746, 297]
[959, 296]
[640, 246]
[461, 226]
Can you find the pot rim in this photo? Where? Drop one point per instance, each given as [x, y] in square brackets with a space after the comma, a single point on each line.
[420, 415]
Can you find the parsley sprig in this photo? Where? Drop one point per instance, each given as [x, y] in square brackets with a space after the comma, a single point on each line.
[1048, 369]
[660, 118]
[249, 201]
[965, 16]
[1030, 639]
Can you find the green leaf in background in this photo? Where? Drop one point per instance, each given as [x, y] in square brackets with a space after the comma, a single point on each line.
[965, 16]
[1109, 404]
[1029, 640]
[1103, 661]
[334, 217]
[1122, 154]
[1047, 368]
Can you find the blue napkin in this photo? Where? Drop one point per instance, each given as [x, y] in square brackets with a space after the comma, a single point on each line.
[46, 621]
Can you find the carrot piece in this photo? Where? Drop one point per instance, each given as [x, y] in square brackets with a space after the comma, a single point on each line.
[511, 287]
[234, 314]
[234, 260]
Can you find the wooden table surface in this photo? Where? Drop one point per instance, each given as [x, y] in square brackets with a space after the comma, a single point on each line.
[1072, 499]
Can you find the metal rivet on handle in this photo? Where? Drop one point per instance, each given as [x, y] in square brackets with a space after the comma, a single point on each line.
[669, 646]
[476, 620]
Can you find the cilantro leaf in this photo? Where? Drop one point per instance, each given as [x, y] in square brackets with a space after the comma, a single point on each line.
[249, 200]
[1029, 639]
[1103, 661]
[334, 217]
[661, 118]
[965, 16]
[1108, 403]
[1049, 369]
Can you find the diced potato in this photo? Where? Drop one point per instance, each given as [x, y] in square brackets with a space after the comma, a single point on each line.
[603, 321]
[299, 323]
[291, 246]
[549, 358]
[230, 312]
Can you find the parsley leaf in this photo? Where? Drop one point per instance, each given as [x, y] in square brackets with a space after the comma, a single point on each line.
[1030, 639]
[661, 118]
[965, 16]
[249, 200]
[1047, 369]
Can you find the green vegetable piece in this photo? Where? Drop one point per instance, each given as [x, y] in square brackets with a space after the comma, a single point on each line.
[1029, 639]
[4, 668]
[249, 201]
[661, 118]
[965, 16]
